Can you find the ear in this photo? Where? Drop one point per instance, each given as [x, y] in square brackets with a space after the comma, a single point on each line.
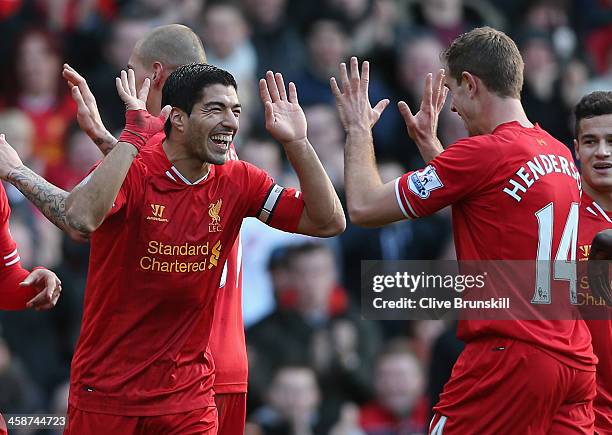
[471, 81]
[157, 79]
[178, 119]
[577, 149]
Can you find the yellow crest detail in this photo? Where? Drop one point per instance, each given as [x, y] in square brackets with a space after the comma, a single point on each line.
[213, 211]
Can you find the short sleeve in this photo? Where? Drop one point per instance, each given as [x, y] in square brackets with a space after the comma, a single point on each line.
[459, 171]
[277, 206]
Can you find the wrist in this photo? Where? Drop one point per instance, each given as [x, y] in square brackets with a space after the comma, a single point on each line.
[359, 130]
[140, 126]
[297, 143]
[15, 170]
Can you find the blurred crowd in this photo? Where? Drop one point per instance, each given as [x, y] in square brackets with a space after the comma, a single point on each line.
[316, 367]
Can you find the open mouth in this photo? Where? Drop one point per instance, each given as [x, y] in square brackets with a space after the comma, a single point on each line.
[603, 167]
[222, 141]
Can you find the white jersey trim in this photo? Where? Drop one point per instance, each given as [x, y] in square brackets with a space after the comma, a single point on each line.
[603, 213]
[398, 197]
[13, 261]
[185, 180]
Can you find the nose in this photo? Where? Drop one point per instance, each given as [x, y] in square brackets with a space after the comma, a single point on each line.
[231, 121]
[603, 149]
[453, 108]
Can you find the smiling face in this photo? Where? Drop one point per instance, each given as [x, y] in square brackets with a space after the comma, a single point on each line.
[594, 150]
[212, 124]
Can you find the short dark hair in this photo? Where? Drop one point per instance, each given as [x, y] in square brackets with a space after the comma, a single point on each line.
[490, 55]
[185, 86]
[306, 248]
[596, 103]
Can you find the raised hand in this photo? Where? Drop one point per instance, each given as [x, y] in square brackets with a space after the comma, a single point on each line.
[140, 125]
[285, 119]
[49, 286]
[353, 101]
[88, 115]
[9, 159]
[423, 126]
[126, 88]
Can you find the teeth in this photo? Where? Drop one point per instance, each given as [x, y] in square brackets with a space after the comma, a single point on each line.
[222, 137]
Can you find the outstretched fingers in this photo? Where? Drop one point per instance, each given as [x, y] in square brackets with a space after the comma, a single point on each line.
[355, 79]
[132, 82]
[426, 104]
[365, 76]
[440, 90]
[280, 85]
[344, 80]
[144, 90]
[78, 99]
[264, 93]
[293, 95]
[121, 84]
[272, 88]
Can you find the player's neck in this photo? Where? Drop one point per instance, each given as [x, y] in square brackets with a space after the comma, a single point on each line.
[604, 199]
[499, 111]
[191, 168]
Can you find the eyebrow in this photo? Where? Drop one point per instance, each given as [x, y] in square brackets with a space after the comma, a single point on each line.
[219, 103]
[587, 136]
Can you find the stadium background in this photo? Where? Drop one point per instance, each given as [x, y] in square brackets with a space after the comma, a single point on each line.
[329, 371]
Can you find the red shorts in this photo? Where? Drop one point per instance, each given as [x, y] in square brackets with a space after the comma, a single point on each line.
[197, 422]
[502, 386]
[232, 413]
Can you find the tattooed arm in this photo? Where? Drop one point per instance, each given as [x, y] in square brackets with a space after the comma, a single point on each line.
[49, 199]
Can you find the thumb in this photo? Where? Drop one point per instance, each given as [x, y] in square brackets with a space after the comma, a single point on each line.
[29, 280]
[406, 113]
[165, 113]
[381, 106]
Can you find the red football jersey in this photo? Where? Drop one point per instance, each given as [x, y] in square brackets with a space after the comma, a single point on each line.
[2, 426]
[155, 267]
[515, 195]
[12, 297]
[594, 219]
[227, 342]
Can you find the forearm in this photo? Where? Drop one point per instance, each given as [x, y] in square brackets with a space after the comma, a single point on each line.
[87, 206]
[49, 199]
[361, 177]
[321, 202]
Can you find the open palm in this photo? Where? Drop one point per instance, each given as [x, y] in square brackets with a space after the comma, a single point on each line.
[285, 118]
[126, 88]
